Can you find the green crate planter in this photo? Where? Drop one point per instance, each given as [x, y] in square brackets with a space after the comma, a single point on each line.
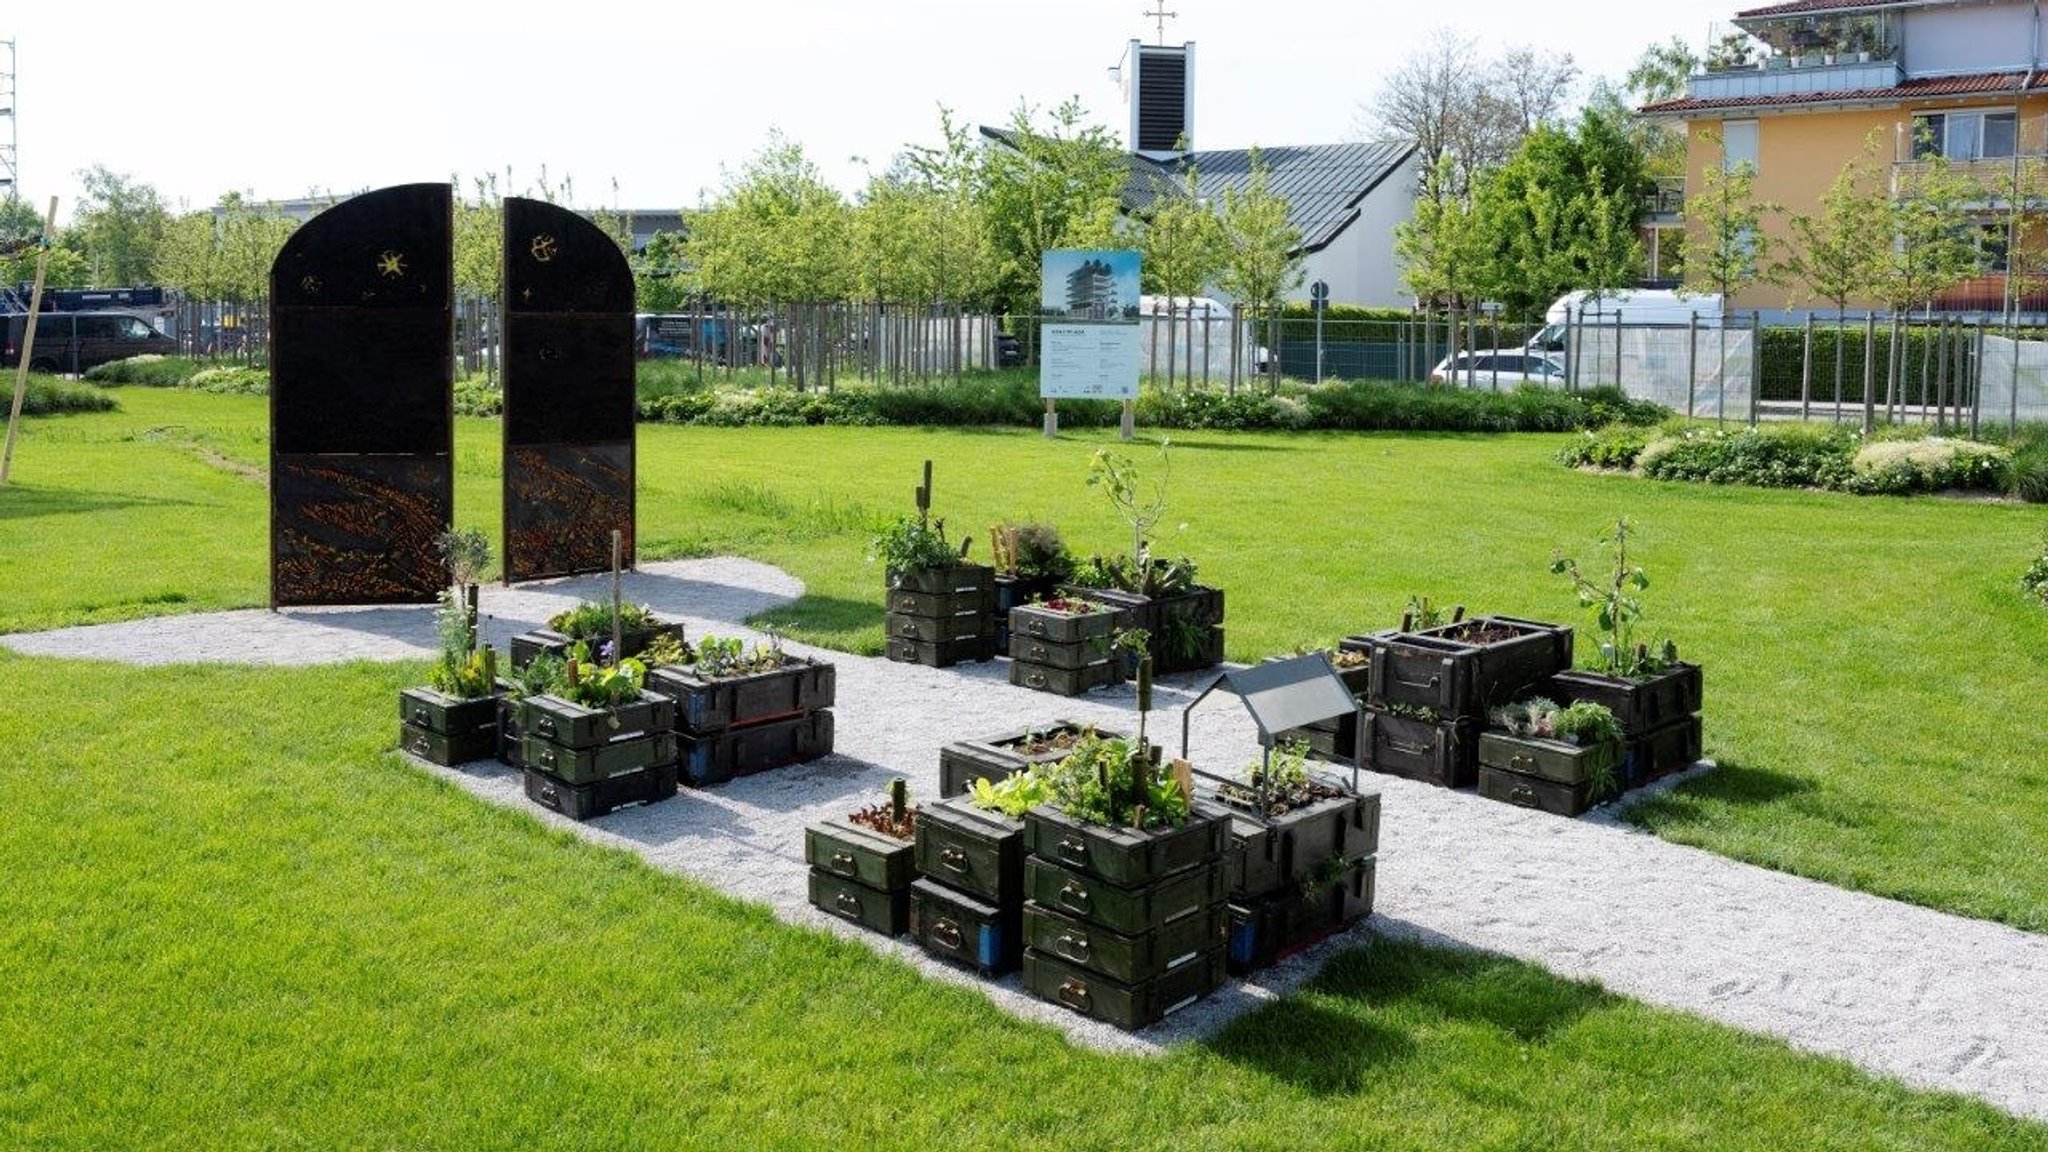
[570, 725]
[1665, 749]
[1524, 791]
[1268, 853]
[1131, 911]
[979, 579]
[1128, 1006]
[951, 924]
[1445, 753]
[1330, 741]
[1011, 591]
[883, 911]
[707, 705]
[1037, 622]
[586, 801]
[1128, 857]
[967, 602]
[1121, 957]
[1639, 705]
[1065, 681]
[540, 641]
[447, 730]
[942, 654]
[1201, 603]
[977, 852]
[937, 629]
[1059, 654]
[856, 852]
[963, 762]
[1435, 669]
[721, 756]
[1276, 926]
[1557, 761]
[589, 765]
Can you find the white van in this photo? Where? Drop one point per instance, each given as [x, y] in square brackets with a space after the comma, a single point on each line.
[1647, 308]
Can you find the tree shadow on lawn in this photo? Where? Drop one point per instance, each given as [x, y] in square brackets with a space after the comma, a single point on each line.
[1366, 1006]
[1744, 786]
[27, 501]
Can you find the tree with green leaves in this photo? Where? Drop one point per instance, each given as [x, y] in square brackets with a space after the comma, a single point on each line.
[223, 254]
[21, 227]
[1439, 247]
[1560, 215]
[1056, 184]
[659, 281]
[118, 226]
[1262, 253]
[1182, 247]
[1725, 247]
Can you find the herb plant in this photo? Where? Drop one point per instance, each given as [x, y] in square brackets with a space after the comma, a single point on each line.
[1032, 551]
[592, 620]
[1616, 609]
[596, 685]
[1015, 794]
[911, 545]
[466, 552]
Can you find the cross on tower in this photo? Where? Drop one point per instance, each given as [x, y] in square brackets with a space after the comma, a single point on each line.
[1160, 17]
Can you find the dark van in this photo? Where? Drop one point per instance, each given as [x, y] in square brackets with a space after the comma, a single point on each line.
[76, 341]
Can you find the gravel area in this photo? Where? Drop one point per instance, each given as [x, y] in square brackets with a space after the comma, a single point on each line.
[1936, 1000]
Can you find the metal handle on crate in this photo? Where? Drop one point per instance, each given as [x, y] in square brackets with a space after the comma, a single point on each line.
[1035, 627]
[907, 628]
[419, 714]
[418, 745]
[547, 757]
[1432, 682]
[1523, 795]
[848, 904]
[1075, 897]
[906, 603]
[1074, 994]
[947, 933]
[1520, 761]
[549, 796]
[1410, 749]
[1072, 849]
[953, 858]
[844, 862]
[1071, 946]
[1038, 651]
[1035, 680]
[545, 726]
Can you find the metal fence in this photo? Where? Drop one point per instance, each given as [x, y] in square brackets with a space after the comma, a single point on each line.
[2013, 381]
[1700, 372]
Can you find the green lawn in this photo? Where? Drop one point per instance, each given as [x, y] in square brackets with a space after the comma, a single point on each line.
[235, 920]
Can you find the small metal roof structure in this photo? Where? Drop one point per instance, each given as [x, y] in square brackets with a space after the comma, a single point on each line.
[1279, 695]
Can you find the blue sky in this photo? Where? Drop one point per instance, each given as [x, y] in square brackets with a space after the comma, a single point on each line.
[646, 106]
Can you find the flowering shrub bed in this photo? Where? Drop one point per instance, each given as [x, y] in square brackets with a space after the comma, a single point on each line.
[1894, 462]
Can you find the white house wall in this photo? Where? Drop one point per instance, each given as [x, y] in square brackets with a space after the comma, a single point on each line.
[1969, 38]
[1359, 264]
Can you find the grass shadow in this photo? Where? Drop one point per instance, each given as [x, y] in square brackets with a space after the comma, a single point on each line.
[1376, 1005]
[812, 614]
[28, 501]
[1707, 798]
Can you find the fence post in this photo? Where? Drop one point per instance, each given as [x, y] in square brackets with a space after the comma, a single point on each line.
[1941, 375]
[1692, 359]
[1574, 339]
[2012, 417]
[1756, 365]
[1617, 350]
[1869, 371]
[1977, 392]
[1806, 371]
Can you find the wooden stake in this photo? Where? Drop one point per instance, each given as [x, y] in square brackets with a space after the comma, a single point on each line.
[28, 339]
[618, 555]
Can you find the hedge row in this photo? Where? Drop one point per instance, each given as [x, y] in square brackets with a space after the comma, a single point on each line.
[48, 397]
[1894, 461]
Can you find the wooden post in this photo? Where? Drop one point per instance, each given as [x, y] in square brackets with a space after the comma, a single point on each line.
[1052, 418]
[924, 496]
[618, 558]
[28, 338]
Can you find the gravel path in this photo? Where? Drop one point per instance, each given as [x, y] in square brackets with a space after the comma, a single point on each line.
[1937, 1000]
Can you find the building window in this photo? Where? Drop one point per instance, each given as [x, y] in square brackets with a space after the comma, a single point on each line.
[1738, 144]
[1965, 135]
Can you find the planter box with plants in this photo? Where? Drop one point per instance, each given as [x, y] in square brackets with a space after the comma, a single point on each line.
[862, 866]
[1462, 669]
[1030, 561]
[1182, 620]
[455, 719]
[1065, 645]
[591, 622]
[1287, 821]
[1335, 741]
[968, 904]
[1123, 854]
[937, 606]
[592, 741]
[1562, 760]
[1417, 744]
[1654, 696]
[744, 709]
[997, 757]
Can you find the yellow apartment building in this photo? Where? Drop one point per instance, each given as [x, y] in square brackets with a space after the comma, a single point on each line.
[1807, 83]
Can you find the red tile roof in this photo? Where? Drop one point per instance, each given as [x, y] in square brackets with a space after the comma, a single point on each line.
[1930, 87]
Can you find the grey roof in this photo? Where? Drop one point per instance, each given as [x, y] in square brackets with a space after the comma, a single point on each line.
[1323, 184]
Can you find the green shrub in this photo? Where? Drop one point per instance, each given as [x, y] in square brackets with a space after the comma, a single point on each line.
[1932, 464]
[234, 381]
[49, 397]
[1615, 446]
[2035, 579]
[1794, 457]
[475, 397]
[2027, 470]
[148, 371]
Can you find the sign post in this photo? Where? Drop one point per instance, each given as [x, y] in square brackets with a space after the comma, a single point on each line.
[28, 338]
[1088, 300]
[1319, 296]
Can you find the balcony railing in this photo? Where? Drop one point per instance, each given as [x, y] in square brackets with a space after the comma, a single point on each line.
[1664, 206]
[1779, 79]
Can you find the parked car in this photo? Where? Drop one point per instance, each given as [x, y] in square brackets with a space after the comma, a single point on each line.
[1009, 351]
[1485, 368]
[76, 341]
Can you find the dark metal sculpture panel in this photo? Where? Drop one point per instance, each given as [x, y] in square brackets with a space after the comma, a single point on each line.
[358, 529]
[362, 375]
[569, 395]
[562, 502]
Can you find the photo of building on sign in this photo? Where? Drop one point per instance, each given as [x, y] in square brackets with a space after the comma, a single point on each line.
[1088, 300]
[1081, 285]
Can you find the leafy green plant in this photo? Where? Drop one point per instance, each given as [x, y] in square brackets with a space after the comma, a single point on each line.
[1014, 794]
[1114, 783]
[466, 552]
[546, 674]
[1585, 722]
[912, 545]
[592, 620]
[595, 685]
[1119, 478]
[665, 650]
[1032, 551]
[467, 676]
[2035, 579]
[1617, 608]
[1317, 880]
[1155, 576]
[721, 656]
[1420, 614]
